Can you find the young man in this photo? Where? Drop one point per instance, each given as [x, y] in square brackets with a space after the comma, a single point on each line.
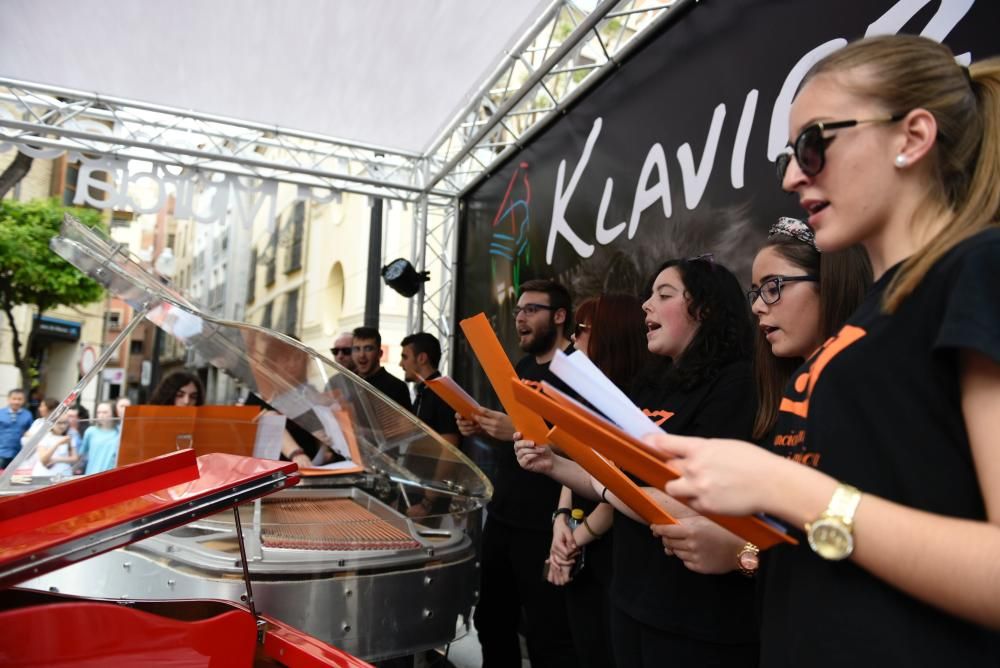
[366, 349]
[15, 420]
[342, 349]
[420, 358]
[518, 532]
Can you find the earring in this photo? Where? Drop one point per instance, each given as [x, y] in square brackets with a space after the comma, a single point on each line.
[901, 160]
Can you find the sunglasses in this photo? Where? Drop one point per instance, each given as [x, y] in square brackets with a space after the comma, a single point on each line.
[770, 290]
[809, 148]
[341, 351]
[580, 329]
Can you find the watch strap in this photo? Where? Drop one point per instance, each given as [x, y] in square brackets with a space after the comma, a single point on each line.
[844, 503]
[561, 511]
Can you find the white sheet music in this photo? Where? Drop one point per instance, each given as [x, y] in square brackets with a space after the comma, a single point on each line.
[586, 379]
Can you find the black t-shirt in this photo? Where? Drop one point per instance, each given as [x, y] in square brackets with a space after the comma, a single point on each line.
[879, 407]
[658, 590]
[520, 498]
[433, 410]
[392, 387]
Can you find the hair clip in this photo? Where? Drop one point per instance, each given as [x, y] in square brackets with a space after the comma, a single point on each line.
[704, 257]
[794, 228]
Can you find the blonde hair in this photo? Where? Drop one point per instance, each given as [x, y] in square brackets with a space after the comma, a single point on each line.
[905, 72]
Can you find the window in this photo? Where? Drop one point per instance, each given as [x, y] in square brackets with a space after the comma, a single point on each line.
[113, 320]
[298, 233]
[69, 190]
[252, 280]
[268, 312]
[135, 347]
[272, 260]
[292, 312]
[171, 238]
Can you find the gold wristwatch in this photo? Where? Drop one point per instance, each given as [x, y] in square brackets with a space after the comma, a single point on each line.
[831, 535]
[748, 559]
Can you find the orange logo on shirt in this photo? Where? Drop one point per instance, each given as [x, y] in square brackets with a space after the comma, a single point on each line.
[805, 382]
[658, 417]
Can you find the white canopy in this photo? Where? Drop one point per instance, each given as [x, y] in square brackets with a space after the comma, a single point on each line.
[386, 72]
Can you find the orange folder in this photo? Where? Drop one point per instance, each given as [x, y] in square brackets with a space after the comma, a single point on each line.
[498, 369]
[632, 455]
[453, 395]
[620, 484]
[150, 431]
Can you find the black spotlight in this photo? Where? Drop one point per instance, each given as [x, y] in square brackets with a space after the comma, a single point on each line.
[403, 278]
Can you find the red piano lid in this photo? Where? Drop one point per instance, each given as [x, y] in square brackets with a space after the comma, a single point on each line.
[35, 525]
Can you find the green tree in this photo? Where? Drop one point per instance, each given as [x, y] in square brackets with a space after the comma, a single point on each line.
[30, 273]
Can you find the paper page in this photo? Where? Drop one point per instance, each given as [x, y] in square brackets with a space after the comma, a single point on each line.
[586, 379]
[270, 431]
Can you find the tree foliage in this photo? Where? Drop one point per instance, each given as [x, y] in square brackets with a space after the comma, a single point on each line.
[30, 273]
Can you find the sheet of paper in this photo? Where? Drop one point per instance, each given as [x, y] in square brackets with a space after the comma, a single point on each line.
[586, 379]
[270, 431]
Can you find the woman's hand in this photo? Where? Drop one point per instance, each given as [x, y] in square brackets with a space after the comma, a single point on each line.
[537, 459]
[557, 575]
[720, 475]
[701, 544]
[564, 548]
[496, 424]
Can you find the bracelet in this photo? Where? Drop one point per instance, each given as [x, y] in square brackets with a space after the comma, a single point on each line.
[604, 495]
[295, 453]
[590, 530]
[560, 511]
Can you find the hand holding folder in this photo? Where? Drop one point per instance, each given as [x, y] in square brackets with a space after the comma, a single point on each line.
[498, 369]
[631, 455]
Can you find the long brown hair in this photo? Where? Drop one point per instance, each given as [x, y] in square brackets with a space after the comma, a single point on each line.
[617, 344]
[906, 72]
[844, 278]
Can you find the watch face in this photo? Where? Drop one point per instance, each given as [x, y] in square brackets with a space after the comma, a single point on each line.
[830, 539]
[749, 561]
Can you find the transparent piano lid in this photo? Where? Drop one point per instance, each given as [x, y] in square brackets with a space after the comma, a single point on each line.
[342, 411]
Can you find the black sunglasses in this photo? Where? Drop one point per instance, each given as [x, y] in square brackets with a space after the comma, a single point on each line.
[341, 351]
[809, 148]
[579, 329]
[770, 290]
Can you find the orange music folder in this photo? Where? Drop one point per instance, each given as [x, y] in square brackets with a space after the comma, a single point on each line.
[498, 369]
[453, 395]
[150, 431]
[617, 482]
[631, 454]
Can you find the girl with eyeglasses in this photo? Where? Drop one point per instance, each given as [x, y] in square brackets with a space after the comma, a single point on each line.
[689, 606]
[897, 416]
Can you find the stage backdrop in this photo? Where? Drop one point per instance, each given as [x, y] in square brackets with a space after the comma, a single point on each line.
[672, 155]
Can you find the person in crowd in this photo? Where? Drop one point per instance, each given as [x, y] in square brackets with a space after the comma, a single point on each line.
[690, 606]
[121, 403]
[517, 535]
[45, 408]
[366, 351]
[342, 351]
[419, 360]
[15, 420]
[895, 146]
[99, 448]
[75, 426]
[611, 331]
[57, 452]
[180, 388]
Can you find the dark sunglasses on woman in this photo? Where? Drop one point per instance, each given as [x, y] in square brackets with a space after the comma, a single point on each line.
[809, 148]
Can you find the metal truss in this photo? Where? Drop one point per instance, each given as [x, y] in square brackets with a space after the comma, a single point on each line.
[564, 52]
[48, 120]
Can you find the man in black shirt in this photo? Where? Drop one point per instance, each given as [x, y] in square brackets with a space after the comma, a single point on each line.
[518, 530]
[366, 351]
[419, 361]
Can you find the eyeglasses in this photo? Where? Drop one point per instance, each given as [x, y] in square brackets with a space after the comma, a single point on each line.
[770, 290]
[580, 329]
[367, 348]
[809, 148]
[341, 351]
[531, 309]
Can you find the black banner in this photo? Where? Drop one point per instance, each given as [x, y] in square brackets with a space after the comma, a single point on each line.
[672, 155]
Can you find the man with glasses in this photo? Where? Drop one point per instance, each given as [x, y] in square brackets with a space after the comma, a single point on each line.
[518, 532]
[15, 420]
[341, 351]
[366, 349]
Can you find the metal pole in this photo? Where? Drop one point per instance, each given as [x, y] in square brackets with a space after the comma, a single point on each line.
[374, 285]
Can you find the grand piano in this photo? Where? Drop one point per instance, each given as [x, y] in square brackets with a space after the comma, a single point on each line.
[349, 555]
